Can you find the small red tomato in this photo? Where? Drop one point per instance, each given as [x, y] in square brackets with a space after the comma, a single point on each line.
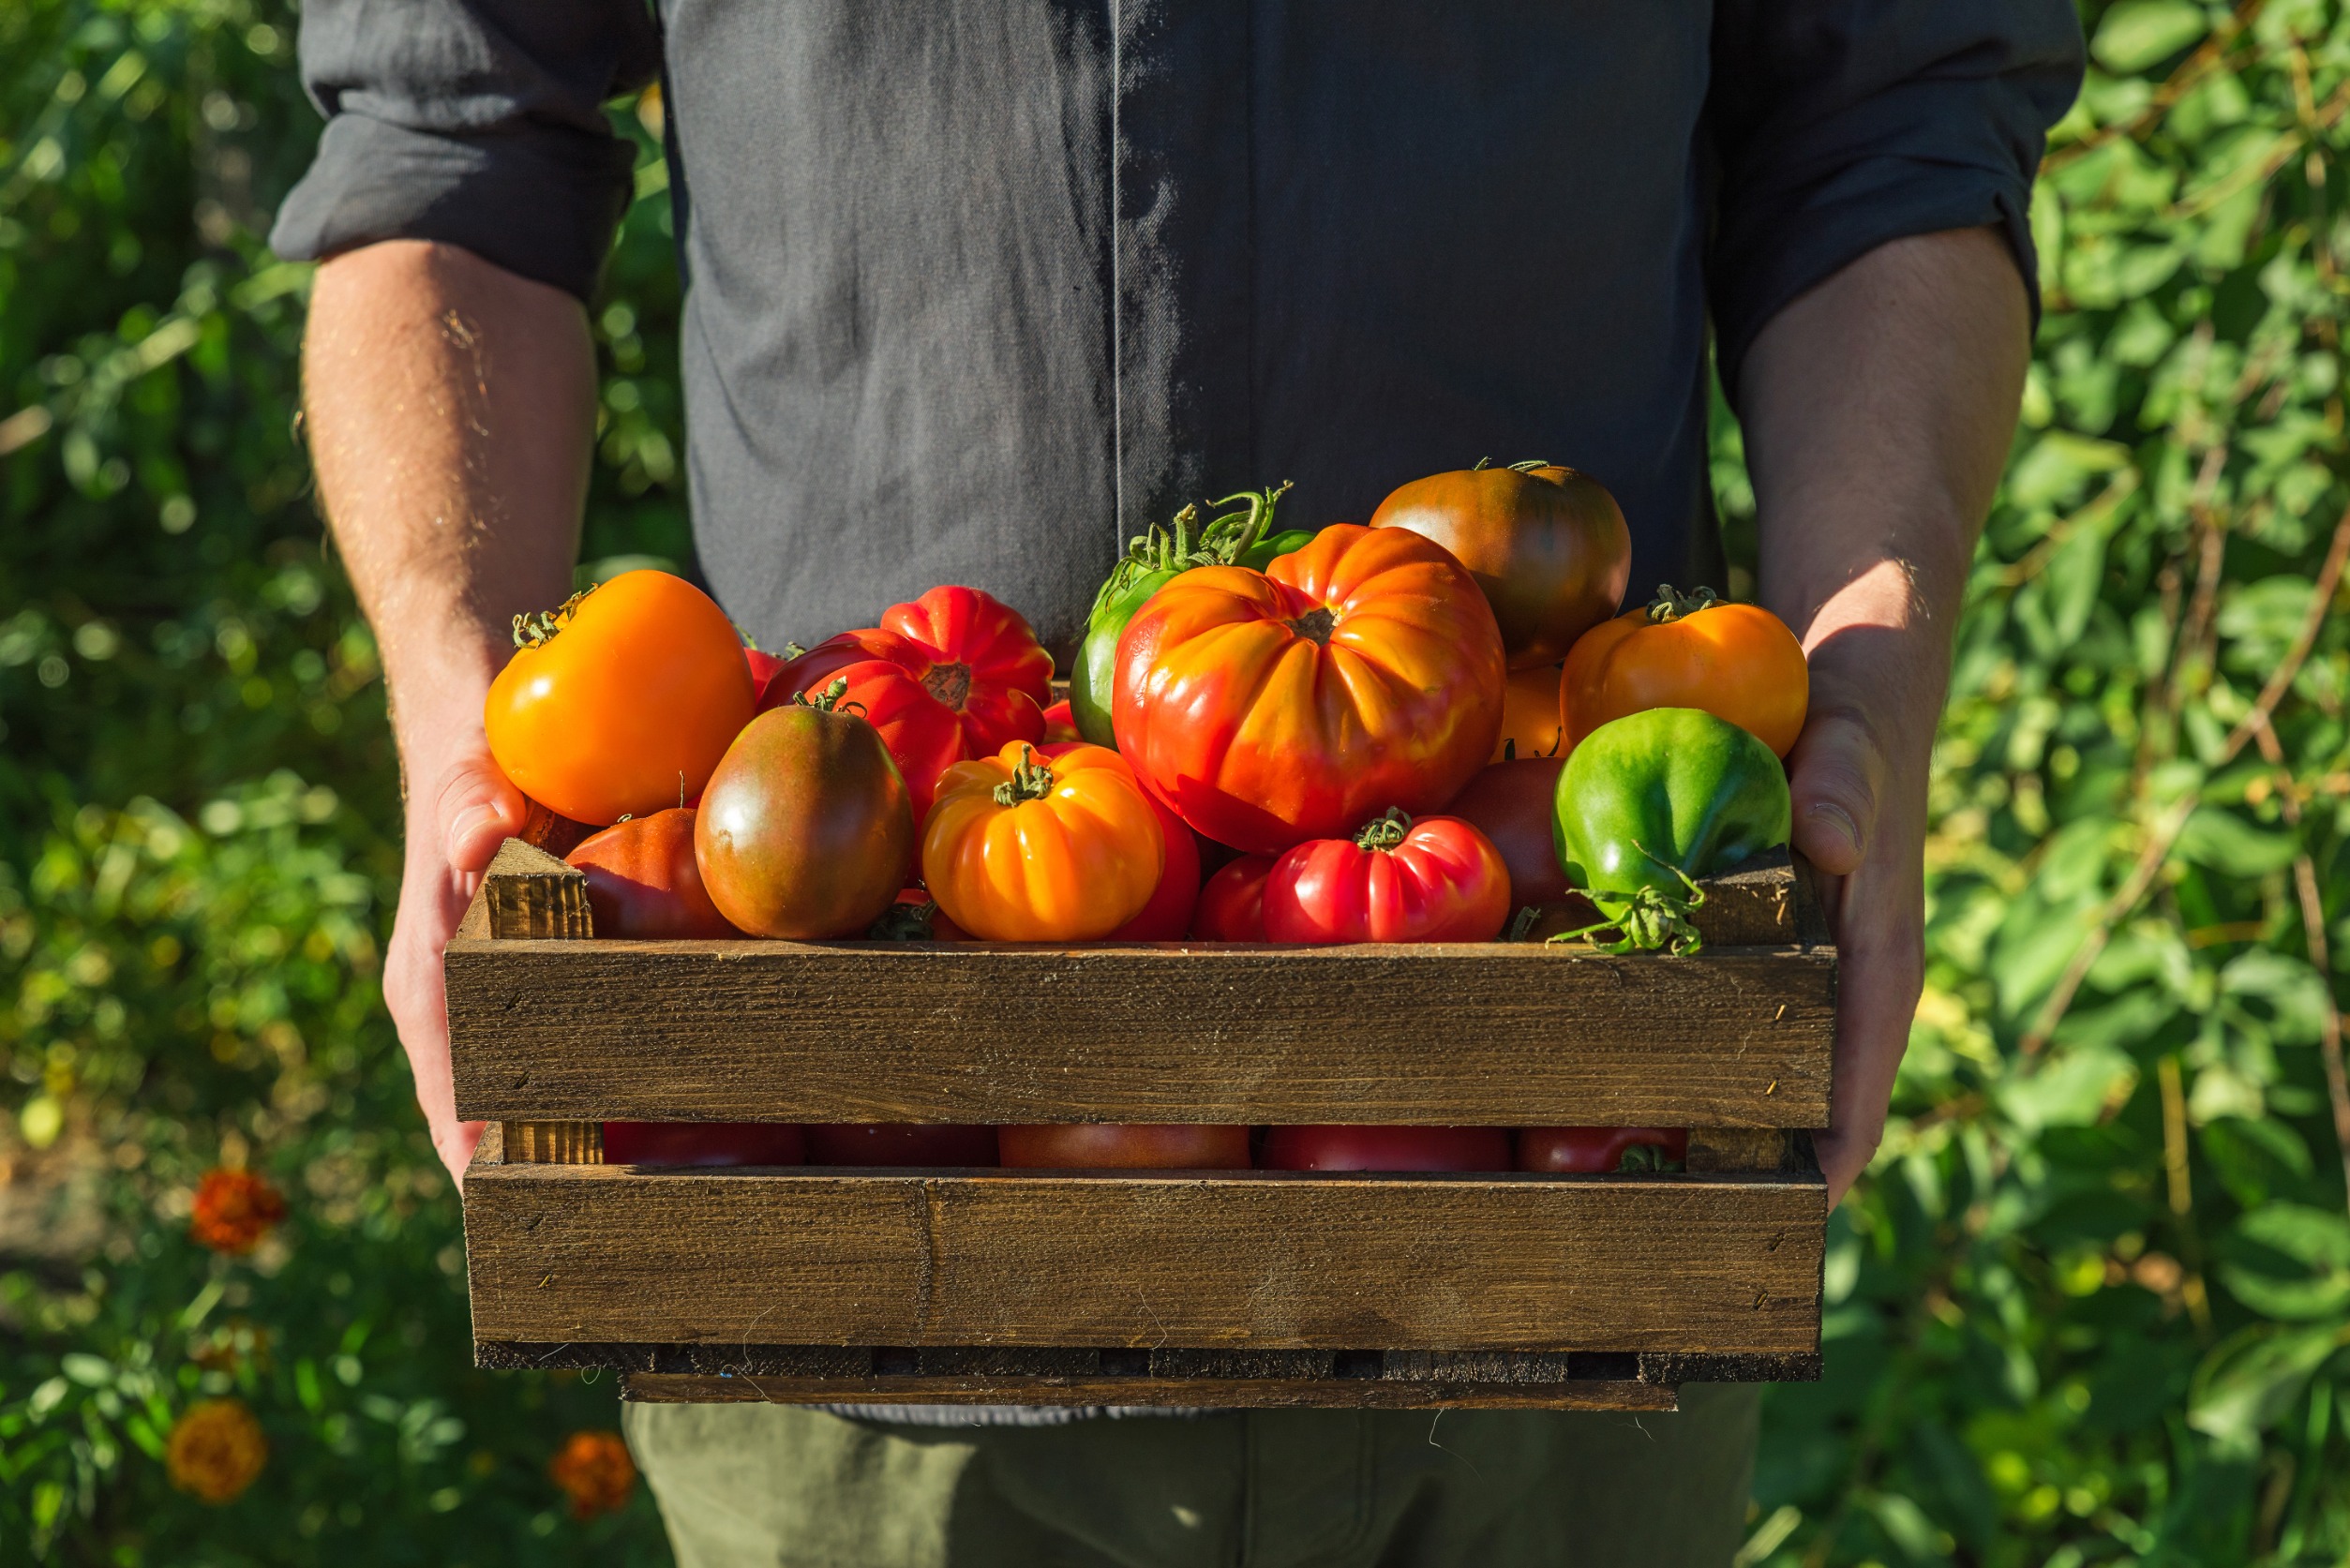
[1512, 804]
[642, 880]
[1434, 880]
[1061, 724]
[763, 667]
[1601, 1148]
[900, 1143]
[1231, 902]
[1132, 1146]
[1386, 1148]
[702, 1144]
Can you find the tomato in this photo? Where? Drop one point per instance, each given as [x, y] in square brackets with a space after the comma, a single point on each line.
[642, 880]
[702, 1144]
[900, 1143]
[948, 677]
[1530, 716]
[1602, 1148]
[805, 830]
[763, 667]
[1023, 847]
[1386, 1148]
[1168, 914]
[1434, 880]
[1060, 725]
[914, 918]
[1547, 545]
[1231, 901]
[1361, 672]
[1124, 1145]
[550, 830]
[620, 702]
[1737, 661]
[1510, 803]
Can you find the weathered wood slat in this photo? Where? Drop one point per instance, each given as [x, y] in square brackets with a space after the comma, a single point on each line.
[1230, 1394]
[1253, 1261]
[529, 893]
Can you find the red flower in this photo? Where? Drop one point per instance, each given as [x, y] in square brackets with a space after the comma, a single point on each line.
[594, 1470]
[234, 1209]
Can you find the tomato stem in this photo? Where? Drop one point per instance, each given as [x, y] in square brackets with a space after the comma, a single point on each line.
[829, 700]
[1030, 780]
[1651, 919]
[530, 631]
[1670, 604]
[1385, 832]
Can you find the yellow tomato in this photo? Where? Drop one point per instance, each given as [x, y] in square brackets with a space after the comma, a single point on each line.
[1024, 848]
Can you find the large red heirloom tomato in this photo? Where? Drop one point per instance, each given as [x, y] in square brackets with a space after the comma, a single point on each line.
[952, 676]
[1268, 707]
[1434, 880]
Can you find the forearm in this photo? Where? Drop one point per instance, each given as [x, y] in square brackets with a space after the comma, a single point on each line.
[450, 408]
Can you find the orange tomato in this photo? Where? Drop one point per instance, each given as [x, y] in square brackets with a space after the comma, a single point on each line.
[1737, 661]
[621, 702]
[1361, 672]
[1530, 716]
[1021, 847]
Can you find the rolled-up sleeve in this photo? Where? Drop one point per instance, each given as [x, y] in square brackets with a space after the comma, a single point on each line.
[1841, 124]
[478, 123]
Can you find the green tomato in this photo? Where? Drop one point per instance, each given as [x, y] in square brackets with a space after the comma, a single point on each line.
[1259, 556]
[1657, 797]
[1094, 673]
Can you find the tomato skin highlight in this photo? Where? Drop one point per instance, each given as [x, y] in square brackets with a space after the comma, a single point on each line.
[702, 1144]
[1737, 661]
[1444, 882]
[1123, 1146]
[627, 706]
[1231, 901]
[950, 677]
[1076, 854]
[1362, 671]
[1593, 1149]
[643, 881]
[1510, 803]
[805, 830]
[1386, 1148]
[900, 1143]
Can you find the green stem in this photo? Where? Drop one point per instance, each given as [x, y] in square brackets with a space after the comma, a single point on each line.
[1670, 604]
[1030, 780]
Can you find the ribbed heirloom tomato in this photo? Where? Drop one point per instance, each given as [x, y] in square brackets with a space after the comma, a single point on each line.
[952, 676]
[620, 702]
[1434, 880]
[1231, 901]
[1023, 847]
[1362, 671]
[1168, 914]
[1737, 661]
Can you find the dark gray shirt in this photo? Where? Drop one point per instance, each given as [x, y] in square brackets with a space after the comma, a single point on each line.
[977, 288]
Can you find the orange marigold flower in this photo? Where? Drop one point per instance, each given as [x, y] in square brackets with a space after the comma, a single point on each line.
[234, 1209]
[215, 1450]
[594, 1470]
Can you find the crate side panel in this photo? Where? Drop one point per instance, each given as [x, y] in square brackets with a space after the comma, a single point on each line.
[1492, 1033]
[1728, 1264]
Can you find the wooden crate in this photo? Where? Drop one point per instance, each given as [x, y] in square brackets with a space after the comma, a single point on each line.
[1218, 1289]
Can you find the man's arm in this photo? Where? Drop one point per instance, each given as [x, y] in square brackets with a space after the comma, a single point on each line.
[1879, 410]
[451, 410]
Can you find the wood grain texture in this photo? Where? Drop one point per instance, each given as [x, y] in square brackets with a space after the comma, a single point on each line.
[1500, 1034]
[528, 892]
[1224, 1394]
[1250, 1261]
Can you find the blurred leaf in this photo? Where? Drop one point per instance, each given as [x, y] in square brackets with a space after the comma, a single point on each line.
[2252, 1378]
[2135, 33]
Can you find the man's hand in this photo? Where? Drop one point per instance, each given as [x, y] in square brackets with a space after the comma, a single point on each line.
[451, 405]
[1879, 409]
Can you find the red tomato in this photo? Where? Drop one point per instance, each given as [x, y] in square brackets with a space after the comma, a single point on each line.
[1597, 1148]
[1386, 1148]
[900, 1143]
[1269, 707]
[948, 677]
[763, 667]
[642, 880]
[1434, 880]
[1061, 724]
[1511, 803]
[620, 702]
[702, 1144]
[1232, 904]
[1168, 914]
[1112, 1146]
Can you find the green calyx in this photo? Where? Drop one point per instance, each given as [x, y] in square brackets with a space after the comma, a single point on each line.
[829, 700]
[903, 923]
[1030, 780]
[1670, 604]
[531, 630]
[1384, 833]
[1528, 466]
[1652, 919]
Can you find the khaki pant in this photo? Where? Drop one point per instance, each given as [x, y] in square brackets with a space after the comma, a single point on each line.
[778, 1486]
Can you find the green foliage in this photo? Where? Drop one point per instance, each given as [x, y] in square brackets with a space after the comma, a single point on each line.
[2089, 1307]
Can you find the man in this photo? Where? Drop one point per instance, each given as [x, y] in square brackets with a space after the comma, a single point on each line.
[975, 290]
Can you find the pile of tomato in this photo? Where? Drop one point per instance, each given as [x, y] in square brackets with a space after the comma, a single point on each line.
[1434, 727]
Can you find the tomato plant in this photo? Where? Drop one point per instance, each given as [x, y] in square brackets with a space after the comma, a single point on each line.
[620, 702]
[952, 676]
[1362, 671]
[1231, 901]
[703, 1144]
[805, 829]
[901, 1143]
[1023, 847]
[1548, 545]
[1434, 880]
[642, 881]
[1602, 1148]
[1511, 803]
[1124, 1145]
[1737, 661]
[1386, 1148]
